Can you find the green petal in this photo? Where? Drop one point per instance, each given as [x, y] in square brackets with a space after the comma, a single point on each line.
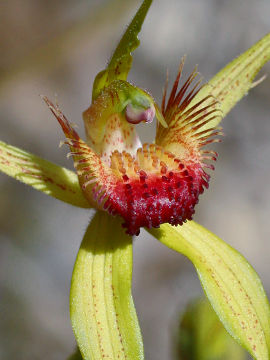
[203, 337]
[233, 81]
[43, 175]
[101, 306]
[121, 60]
[231, 284]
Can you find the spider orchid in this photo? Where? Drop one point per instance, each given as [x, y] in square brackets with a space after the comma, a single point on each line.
[148, 184]
[155, 186]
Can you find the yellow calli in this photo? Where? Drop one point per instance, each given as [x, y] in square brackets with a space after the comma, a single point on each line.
[152, 186]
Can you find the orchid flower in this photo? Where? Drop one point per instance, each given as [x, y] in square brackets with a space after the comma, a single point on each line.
[155, 186]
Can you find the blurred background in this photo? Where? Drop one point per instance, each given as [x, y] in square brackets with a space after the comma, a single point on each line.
[56, 48]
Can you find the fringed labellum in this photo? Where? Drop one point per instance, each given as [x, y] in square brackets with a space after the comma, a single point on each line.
[148, 184]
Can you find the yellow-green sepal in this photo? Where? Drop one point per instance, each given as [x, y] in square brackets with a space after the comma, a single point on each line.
[101, 307]
[203, 337]
[231, 83]
[121, 61]
[230, 283]
[43, 175]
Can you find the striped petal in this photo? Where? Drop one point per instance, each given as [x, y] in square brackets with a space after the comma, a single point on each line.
[95, 177]
[185, 135]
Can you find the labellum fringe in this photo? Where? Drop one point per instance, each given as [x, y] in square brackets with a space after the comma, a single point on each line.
[158, 183]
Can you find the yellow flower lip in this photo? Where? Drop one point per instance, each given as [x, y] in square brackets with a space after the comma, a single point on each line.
[137, 115]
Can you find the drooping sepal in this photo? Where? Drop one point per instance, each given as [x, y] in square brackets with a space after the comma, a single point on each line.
[102, 312]
[230, 283]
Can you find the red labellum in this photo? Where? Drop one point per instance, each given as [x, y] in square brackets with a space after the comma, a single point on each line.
[160, 199]
[156, 188]
[159, 183]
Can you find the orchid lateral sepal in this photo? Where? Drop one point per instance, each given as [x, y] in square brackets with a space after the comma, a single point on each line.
[230, 283]
[147, 185]
[102, 312]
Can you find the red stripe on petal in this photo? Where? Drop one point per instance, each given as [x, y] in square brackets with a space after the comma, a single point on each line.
[184, 135]
[95, 177]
